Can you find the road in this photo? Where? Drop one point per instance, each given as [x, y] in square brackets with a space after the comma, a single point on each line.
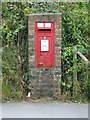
[44, 110]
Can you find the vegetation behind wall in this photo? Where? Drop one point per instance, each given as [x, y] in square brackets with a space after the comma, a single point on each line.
[15, 47]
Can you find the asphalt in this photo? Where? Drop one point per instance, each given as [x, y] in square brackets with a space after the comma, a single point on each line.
[44, 110]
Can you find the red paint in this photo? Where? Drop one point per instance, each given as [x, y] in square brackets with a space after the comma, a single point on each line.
[44, 56]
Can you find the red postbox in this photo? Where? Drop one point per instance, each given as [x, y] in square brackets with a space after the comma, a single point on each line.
[44, 44]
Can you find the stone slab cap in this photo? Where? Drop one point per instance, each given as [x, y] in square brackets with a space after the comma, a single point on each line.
[45, 14]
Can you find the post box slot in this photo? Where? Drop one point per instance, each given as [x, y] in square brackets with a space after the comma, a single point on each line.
[45, 30]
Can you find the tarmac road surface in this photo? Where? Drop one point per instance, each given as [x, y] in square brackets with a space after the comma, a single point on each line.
[44, 110]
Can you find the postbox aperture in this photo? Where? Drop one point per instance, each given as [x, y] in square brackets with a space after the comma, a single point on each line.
[44, 44]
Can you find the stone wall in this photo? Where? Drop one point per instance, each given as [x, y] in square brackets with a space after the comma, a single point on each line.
[44, 82]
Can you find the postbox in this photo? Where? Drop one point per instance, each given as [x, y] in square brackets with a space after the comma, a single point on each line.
[44, 44]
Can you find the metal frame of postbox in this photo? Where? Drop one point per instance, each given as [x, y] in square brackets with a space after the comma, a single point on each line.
[44, 29]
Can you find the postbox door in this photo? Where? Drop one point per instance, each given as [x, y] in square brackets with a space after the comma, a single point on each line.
[44, 52]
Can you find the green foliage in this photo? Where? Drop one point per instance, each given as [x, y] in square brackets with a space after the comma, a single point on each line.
[11, 82]
[9, 60]
[10, 92]
[75, 32]
[13, 19]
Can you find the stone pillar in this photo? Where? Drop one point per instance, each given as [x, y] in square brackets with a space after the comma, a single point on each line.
[44, 82]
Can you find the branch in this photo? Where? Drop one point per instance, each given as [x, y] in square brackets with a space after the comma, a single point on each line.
[83, 57]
